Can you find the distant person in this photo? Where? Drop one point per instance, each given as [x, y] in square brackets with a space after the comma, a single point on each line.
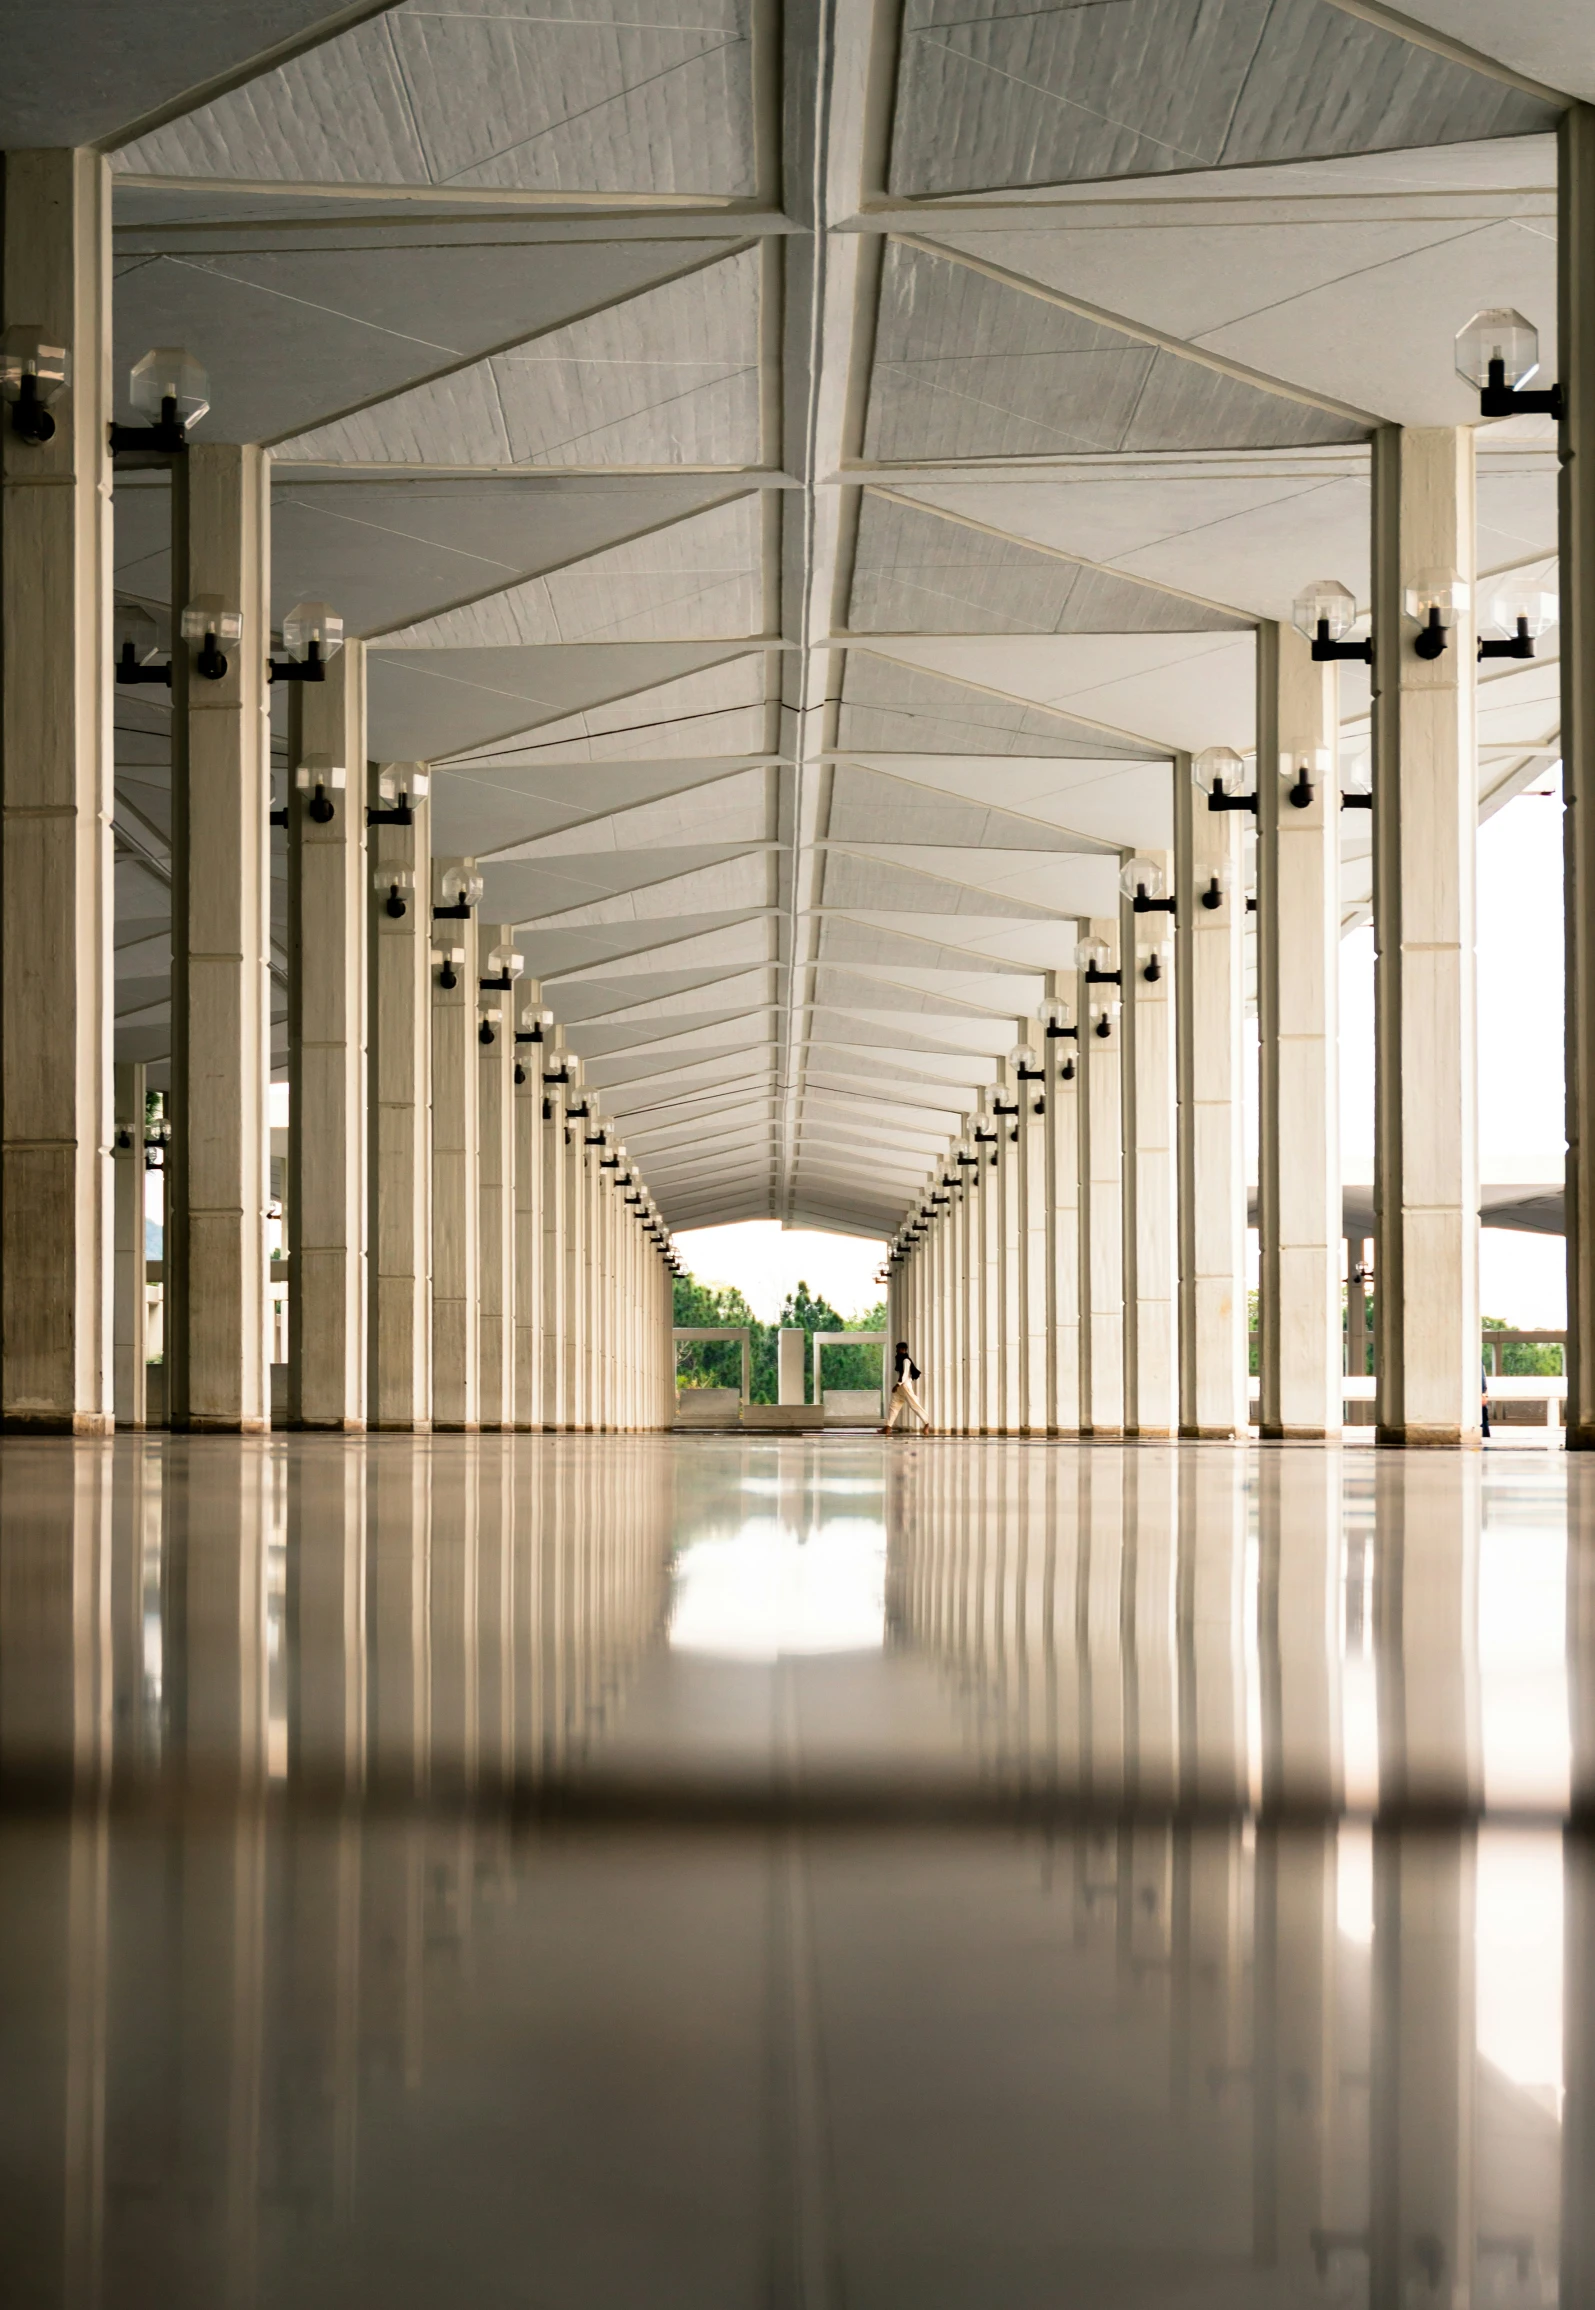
[904, 1373]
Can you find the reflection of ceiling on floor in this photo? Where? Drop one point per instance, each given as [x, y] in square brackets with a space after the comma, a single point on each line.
[799, 649]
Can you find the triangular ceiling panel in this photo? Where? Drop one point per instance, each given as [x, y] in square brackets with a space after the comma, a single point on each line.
[970, 366]
[599, 101]
[538, 890]
[870, 806]
[1067, 94]
[885, 889]
[663, 997]
[914, 572]
[424, 704]
[669, 377]
[696, 580]
[737, 809]
[478, 811]
[719, 710]
[892, 708]
[865, 944]
[737, 886]
[716, 947]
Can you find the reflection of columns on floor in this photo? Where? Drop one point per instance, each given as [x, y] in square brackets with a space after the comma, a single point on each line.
[1101, 1110]
[1209, 1005]
[495, 1558]
[1580, 1617]
[1063, 1206]
[1151, 1713]
[1421, 2123]
[1210, 1600]
[1295, 2059]
[55, 809]
[1102, 1600]
[455, 1702]
[1426, 1156]
[1301, 1579]
[1426, 1615]
[218, 1178]
[1298, 984]
[1575, 251]
[495, 1133]
[455, 1213]
[399, 1671]
[400, 1126]
[328, 939]
[326, 1615]
[131, 1324]
[1151, 1216]
[1578, 2069]
[1209, 2021]
[528, 1132]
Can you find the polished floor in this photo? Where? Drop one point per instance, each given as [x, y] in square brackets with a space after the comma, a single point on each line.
[818, 1874]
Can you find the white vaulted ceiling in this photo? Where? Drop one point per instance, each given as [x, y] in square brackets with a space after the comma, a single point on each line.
[801, 474]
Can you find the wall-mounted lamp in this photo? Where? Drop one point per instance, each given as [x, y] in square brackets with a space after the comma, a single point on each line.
[1145, 885]
[1090, 957]
[505, 967]
[1302, 773]
[33, 373]
[492, 1018]
[1499, 351]
[1152, 957]
[1223, 777]
[1434, 602]
[614, 1160]
[462, 890]
[559, 1072]
[534, 1024]
[208, 621]
[312, 632]
[1326, 614]
[157, 1138]
[1356, 779]
[399, 784]
[137, 640]
[173, 392]
[1519, 614]
[390, 883]
[1220, 881]
[450, 958]
[1103, 1013]
[1025, 1064]
[321, 778]
[1057, 1020]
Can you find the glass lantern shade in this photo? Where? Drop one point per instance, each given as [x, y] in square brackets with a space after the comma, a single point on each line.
[319, 770]
[25, 352]
[1022, 1059]
[1436, 590]
[532, 1018]
[1056, 1014]
[1145, 876]
[1522, 606]
[170, 373]
[1499, 334]
[1356, 770]
[505, 958]
[460, 887]
[1091, 955]
[309, 622]
[1307, 762]
[1220, 766]
[134, 627]
[388, 878]
[209, 614]
[1158, 950]
[402, 782]
[1326, 603]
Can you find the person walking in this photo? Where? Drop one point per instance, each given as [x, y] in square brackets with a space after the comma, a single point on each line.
[904, 1373]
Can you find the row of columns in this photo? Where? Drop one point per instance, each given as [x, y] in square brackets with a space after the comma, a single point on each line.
[421, 1280]
[1138, 1324]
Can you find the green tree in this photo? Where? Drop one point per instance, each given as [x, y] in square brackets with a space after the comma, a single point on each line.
[1525, 1359]
[845, 1367]
[715, 1363]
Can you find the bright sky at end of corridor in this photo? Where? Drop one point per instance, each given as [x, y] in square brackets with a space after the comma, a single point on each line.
[767, 1261]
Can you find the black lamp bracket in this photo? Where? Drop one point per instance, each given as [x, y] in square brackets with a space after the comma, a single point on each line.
[1096, 978]
[1518, 645]
[1141, 904]
[129, 671]
[1326, 650]
[460, 913]
[1054, 1033]
[310, 668]
[1213, 895]
[1499, 399]
[1300, 796]
[165, 438]
[1432, 640]
[1356, 802]
[1219, 800]
[502, 985]
[279, 817]
[399, 815]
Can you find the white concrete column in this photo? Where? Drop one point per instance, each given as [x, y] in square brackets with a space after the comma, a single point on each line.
[495, 1109]
[55, 815]
[529, 1178]
[1009, 1178]
[400, 1096]
[1210, 999]
[1426, 1152]
[1102, 1188]
[1034, 1094]
[1061, 1021]
[556, 1377]
[1298, 1011]
[218, 1353]
[456, 1401]
[1575, 253]
[328, 935]
[575, 1240]
[1300, 1608]
[131, 1298]
[1151, 1203]
[790, 1352]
